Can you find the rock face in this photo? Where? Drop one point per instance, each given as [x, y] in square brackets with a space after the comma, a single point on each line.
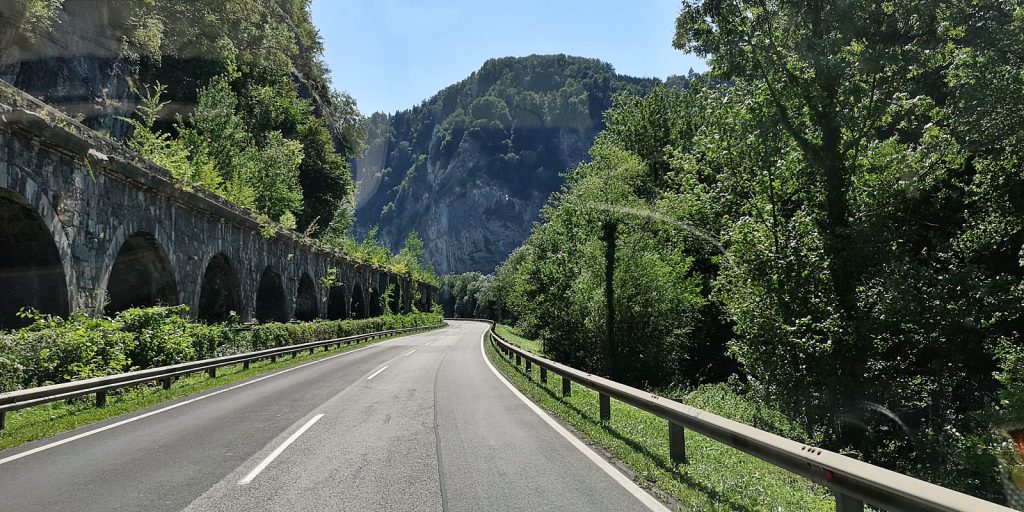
[470, 169]
[77, 66]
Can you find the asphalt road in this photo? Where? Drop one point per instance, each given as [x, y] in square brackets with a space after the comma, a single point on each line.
[415, 423]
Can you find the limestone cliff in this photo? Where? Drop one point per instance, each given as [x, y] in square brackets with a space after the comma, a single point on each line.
[469, 169]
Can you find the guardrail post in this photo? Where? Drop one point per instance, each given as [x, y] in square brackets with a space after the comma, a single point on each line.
[101, 398]
[519, 359]
[543, 375]
[2, 414]
[165, 382]
[566, 386]
[295, 354]
[245, 365]
[845, 503]
[606, 407]
[273, 359]
[529, 368]
[212, 372]
[677, 443]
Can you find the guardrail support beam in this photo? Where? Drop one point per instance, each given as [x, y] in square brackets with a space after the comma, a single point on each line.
[606, 407]
[845, 503]
[566, 386]
[543, 375]
[101, 398]
[677, 443]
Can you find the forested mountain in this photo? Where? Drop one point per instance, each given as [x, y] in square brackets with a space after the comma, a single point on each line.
[239, 104]
[470, 168]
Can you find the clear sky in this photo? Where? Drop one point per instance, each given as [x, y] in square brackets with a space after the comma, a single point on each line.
[393, 54]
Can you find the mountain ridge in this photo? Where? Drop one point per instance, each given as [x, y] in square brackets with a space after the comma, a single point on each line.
[470, 168]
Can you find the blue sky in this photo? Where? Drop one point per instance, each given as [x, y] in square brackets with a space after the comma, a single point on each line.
[393, 54]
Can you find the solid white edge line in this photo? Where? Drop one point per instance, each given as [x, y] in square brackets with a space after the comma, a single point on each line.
[55, 444]
[649, 501]
[376, 373]
[278, 451]
[409, 352]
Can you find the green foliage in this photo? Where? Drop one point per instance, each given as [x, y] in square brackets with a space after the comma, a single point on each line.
[716, 477]
[160, 336]
[265, 336]
[29, 18]
[469, 295]
[409, 260]
[656, 335]
[266, 130]
[169, 152]
[54, 350]
[837, 204]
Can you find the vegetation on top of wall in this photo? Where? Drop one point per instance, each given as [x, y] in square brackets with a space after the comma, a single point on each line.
[233, 97]
[53, 350]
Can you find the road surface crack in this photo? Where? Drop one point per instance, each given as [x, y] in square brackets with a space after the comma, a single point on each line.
[437, 441]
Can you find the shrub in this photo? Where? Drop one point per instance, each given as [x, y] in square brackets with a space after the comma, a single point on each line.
[54, 350]
[160, 336]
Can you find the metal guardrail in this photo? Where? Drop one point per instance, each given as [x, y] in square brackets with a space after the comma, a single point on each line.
[853, 482]
[99, 386]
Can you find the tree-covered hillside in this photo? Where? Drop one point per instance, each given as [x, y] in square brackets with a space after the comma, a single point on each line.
[470, 168]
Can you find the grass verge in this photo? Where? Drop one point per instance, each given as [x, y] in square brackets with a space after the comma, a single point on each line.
[717, 477]
[511, 335]
[42, 421]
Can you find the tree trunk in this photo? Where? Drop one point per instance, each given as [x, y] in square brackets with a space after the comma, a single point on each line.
[611, 348]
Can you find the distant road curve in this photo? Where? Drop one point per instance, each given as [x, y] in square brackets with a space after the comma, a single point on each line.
[422, 422]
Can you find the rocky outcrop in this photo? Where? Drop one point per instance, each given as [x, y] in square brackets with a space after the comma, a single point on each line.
[76, 66]
[470, 169]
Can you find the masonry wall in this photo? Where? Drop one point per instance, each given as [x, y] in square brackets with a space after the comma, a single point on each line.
[93, 195]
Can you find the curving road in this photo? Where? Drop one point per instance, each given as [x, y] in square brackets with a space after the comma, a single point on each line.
[415, 423]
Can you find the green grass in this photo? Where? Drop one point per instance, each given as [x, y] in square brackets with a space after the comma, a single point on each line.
[42, 421]
[717, 477]
[511, 335]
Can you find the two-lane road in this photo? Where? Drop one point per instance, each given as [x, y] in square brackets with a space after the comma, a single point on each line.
[416, 423]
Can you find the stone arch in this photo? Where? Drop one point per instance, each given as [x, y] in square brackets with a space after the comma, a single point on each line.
[32, 270]
[358, 302]
[219, 290]
[425, 302]
[140, 276]
[336, 303]
[375, 306]
[395, 300]
[127, 229]
[307, 307]
[271, 300]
